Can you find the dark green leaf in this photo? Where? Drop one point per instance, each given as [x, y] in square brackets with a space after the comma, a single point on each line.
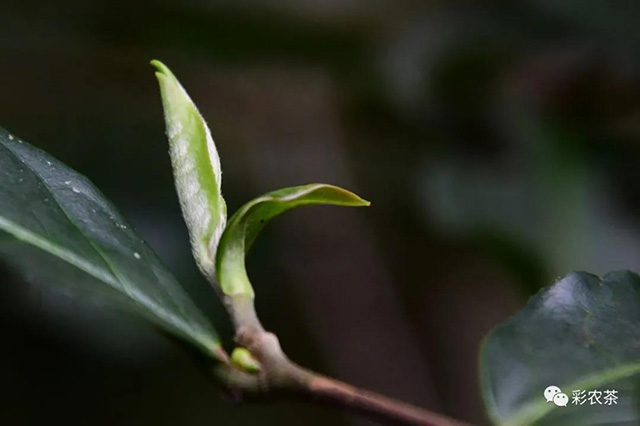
[4, 237]
[45, 204]
[582, 333]
[245, 225]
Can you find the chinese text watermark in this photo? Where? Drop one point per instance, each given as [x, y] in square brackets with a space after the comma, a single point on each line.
[581, 396]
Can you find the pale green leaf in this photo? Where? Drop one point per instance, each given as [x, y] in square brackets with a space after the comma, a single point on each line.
[49, 206]
[245, 225]
[196, 169]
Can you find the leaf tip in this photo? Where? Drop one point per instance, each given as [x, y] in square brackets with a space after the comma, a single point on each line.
[359, 202]
[163, 73]
[351, 199]
[162, 68]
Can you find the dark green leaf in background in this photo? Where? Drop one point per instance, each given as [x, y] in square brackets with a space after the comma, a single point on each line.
[45, 204]
[582, 333]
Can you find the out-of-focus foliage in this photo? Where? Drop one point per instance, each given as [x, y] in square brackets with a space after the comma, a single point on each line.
[581, 335]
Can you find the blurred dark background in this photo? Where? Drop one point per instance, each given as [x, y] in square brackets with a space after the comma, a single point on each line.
[498, 141]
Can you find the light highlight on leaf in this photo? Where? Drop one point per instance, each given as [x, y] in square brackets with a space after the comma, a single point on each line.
[582, 333]
[196, 169]
[49, 206]
[245, 225]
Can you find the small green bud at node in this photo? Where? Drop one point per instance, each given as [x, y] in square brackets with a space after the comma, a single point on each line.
[243, 359]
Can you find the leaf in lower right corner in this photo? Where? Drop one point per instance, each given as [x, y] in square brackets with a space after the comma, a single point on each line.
[583, 335]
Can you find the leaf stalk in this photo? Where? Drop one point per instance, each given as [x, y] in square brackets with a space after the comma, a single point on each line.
[281, 377]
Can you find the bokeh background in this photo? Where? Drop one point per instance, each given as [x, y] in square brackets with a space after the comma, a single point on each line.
[498, 141]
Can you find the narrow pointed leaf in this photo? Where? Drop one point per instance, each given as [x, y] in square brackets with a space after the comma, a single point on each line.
[245, 225]
[47, 205]
[196, 169]
[581, 334]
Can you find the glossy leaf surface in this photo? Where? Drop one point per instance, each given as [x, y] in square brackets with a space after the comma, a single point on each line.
[581, 334]
[47, 205]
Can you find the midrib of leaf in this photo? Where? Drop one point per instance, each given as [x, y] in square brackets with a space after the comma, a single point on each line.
[111, 278]
[25, 235]
[534, 411]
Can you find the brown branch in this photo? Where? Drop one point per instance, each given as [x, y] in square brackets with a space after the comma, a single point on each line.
[279, 376]
[374, 406]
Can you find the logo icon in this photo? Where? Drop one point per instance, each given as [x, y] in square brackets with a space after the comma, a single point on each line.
[561, 399]
[554, 394]
[550, 392]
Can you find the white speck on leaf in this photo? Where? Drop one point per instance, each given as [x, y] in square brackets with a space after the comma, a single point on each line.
[76, 190]
[136, 255]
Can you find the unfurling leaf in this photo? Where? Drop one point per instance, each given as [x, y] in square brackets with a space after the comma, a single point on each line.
[196, 169]
[46, 205]
[581, 335]
[245, 225]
